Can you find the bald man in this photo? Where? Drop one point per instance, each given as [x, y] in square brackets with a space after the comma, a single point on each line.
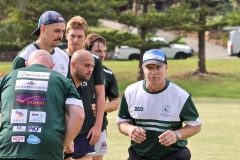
[35, 101]
[82, 65]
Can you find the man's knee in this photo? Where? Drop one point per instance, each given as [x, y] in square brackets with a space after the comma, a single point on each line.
[182, 154]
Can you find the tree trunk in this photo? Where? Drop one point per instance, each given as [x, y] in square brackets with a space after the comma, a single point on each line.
[201, 41]
[143, 36]
[201, 53]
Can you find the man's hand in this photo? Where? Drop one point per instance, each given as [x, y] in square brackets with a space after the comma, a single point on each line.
[70, 148]
[94, 109]
[95, 132]
[137, 134]
[168, 138]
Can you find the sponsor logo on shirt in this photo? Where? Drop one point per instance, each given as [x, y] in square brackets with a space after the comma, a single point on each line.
[29, 74]
[34, 129]
[37, 117]
[19, 128]
[19, 116]
[31, 85]
[33, 139]
[18, 138]
[30, 100]
[138, 108]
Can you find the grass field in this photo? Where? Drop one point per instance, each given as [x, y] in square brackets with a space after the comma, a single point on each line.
[219, 138]
[224, 83]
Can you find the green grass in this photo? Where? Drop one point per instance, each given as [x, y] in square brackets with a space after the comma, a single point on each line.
[218, 139]
[225, 83]
[5, 67]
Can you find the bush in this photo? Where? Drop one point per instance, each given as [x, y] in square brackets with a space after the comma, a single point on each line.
[8, 47]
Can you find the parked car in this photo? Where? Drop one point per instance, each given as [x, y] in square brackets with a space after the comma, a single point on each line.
[233, 44]
[172, 51]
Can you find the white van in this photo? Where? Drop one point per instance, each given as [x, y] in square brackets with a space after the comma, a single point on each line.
[233, 44]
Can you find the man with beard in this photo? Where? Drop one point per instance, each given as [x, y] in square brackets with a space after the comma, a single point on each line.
[76, 33]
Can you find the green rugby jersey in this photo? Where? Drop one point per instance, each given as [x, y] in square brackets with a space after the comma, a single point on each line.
[111, 90]
[157, 112]
[88, 94]
[33, 113]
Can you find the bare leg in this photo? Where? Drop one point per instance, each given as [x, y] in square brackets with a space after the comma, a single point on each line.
[87, 157]
[100, 157]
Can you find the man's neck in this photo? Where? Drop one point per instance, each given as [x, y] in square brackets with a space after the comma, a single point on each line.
[155, 88]
[43, 46]
[70, 51]
[76, 81]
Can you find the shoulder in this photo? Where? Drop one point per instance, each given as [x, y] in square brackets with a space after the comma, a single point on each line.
[107, 70]
[25, 52]
[60, 51]
[96, 58]
[134, 87]
[178, 91]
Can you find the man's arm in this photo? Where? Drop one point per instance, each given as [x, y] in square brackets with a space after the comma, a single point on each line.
[76, 117]
[135, 133]
[95, 131]
[170, 137]
[112, 105]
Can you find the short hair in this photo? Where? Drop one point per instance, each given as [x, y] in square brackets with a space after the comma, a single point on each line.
[92, 38]
[77, 22]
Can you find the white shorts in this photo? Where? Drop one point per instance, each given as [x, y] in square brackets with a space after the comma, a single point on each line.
[101, 145]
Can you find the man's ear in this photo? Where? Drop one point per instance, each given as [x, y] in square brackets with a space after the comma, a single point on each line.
[42, 28]
[73, 63]
[52, 66]
[26, 63]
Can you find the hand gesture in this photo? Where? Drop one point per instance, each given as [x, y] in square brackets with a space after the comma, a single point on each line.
[137, 134]
[168, 138]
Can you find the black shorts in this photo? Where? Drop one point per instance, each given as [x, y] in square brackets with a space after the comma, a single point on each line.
[81, 147]
[182, 154]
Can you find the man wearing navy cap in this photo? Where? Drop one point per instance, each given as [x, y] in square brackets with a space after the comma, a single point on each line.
[51, 26]
[152, 113]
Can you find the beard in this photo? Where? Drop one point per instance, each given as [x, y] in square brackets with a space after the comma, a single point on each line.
[81, 77]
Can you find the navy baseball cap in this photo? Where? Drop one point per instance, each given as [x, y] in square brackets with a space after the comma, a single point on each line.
[154, 56]
[48, 17]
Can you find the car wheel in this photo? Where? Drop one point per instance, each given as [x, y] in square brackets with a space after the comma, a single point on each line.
[181, 56]
[133, 57]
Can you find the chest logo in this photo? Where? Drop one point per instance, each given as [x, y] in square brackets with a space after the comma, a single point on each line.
[166, 109]
[62, 66]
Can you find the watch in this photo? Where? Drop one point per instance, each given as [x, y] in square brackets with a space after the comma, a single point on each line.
[178, 134]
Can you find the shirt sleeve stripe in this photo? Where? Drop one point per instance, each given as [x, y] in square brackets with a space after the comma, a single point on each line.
[74, 101]
[193, 123]
[120, 120]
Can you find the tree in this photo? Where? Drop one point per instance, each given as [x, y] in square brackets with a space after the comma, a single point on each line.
[144, 21]
[194, 19]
